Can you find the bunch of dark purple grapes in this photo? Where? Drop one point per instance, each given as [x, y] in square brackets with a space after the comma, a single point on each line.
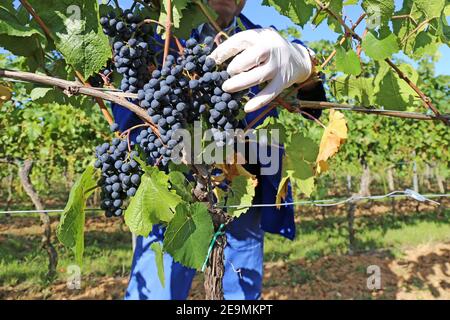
[121, 174]
[132, 42]
[185, 89]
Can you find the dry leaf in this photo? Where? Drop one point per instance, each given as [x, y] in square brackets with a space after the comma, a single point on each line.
[282, 191]
[5, 94]
[333, 137]
[234, 170]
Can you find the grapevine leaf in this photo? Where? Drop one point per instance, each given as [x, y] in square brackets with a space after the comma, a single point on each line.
[188, 234]
[431, 9]
[282, 190]
[186, 16]
[5, 94]
[334, 135]
[39, 92]
[241, 193]
[159, 261]
[378, 11]
[11, 26]
[26, 47]
[392, 92]
[360, 89]
[305, 186]
[298, 11]
[70, 231]
[297, 168]
[153, 203]
[380, 49]
[335, 6]
[301, 152]
[177, 12]
[181, 185]
[78, 36]
[301, 148]
[347, 62]
[234, 170]
[270, 124]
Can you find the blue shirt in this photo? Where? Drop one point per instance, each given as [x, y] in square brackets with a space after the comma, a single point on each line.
[273, 220]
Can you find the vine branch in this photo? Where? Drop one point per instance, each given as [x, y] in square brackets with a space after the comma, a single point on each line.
[341, 42]
[426, 100]
[38, 19]
[168, 30]
[302, 104]
[73, 88]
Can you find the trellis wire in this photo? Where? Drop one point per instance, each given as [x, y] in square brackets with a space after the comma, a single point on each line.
[318, 203]
[334, 202]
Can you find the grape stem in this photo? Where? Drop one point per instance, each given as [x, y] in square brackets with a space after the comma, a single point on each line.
[150, 21]
[290, 108]
[128, 131]
[168, 32]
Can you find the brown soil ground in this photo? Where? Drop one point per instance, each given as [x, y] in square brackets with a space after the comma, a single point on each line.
[422, 272]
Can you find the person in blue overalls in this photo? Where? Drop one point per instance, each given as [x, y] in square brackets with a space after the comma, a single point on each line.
[260, 55]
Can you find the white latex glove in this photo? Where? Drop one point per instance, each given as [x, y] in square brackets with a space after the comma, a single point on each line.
[262, 55]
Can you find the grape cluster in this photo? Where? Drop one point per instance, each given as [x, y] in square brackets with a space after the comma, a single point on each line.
[185, 89]
[121, 174]
[132, 40]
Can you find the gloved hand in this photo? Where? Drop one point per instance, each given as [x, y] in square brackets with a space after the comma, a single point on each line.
[263, 55]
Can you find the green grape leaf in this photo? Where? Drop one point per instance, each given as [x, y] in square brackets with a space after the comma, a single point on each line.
[335, 6]
[392, 92]
[12, 26]
[301, 147]
[39, 93]
[177, 12]
[153, 203]
[347, 62]
[298, 163]
[74, 24]
[269, 124]
[241, 193]
[424, 44]
[360, 89]
[181, 185]
[298, 11]
[380, 49]
[431, 9]
[70, 231]
[305, 186]
[186, 16]
[188, 234]
[159, 261]
[378, 11]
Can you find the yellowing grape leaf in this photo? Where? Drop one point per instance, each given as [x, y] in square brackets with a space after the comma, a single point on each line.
[5, 94]
[231, 171]
[282, 191]
[333, 137]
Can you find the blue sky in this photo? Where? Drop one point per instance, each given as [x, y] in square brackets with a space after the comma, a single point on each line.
[267, 16]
